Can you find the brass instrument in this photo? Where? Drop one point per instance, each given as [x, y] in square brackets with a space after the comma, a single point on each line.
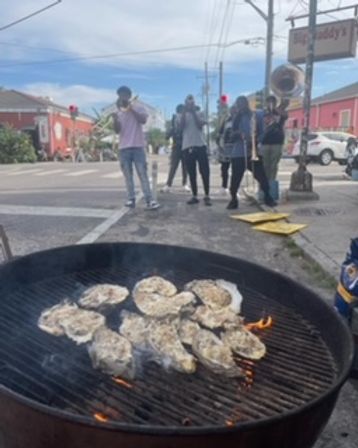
[131, 101]
[254, 155]
[287, 81]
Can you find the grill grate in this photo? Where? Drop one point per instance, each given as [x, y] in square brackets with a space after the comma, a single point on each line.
[55, 372]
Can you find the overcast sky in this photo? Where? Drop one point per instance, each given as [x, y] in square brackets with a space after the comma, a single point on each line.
[87, 28]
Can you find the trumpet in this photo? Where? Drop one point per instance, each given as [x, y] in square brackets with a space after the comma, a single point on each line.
[131, 101]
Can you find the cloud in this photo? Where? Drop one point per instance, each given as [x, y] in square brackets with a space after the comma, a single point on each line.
[90, 27]
[85, 97]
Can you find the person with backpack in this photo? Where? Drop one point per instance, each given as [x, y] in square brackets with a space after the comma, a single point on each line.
[176, 156]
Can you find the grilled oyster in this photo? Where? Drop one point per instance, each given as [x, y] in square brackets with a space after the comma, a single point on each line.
[244, 343]
[81, 325]
[164, 341]
[112, 353]
[215, 355]
[103, 295]
[135, 328]
[212, 295]
[188, 330]
[157, 285]
[51, 318]
[156, 297]
[216, 318]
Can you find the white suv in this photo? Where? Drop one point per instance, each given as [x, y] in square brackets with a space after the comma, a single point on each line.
[324, 147]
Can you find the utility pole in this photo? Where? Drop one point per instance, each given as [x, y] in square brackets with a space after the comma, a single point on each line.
[221, 79]
[207, 88]
[269, 19]
[301, 180]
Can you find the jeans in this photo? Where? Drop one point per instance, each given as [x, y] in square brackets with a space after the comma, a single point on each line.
[271, 155]
[191, 157]
[136, 156]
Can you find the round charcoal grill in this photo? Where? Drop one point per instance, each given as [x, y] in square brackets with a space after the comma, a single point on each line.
[50, 396]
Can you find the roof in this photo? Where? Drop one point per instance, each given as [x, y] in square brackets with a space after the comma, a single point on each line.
[12, 99]
[349, 91]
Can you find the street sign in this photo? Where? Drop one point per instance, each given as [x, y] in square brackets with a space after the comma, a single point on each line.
[334, 40]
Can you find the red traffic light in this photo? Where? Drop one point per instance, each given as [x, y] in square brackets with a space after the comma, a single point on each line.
[73, 109]
[224, 99]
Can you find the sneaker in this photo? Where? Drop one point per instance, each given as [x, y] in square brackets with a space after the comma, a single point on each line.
[153, 205]
[207, 201]
[269, 201]
[165, 189]
[130, 203]
[223, 191]
[193, 200]
[187, 188]
[233, 204]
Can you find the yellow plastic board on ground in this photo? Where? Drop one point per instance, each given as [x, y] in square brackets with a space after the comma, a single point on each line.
[281, 228]
[254, 218]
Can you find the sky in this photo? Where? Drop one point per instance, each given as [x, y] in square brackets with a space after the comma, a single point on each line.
[81, 51]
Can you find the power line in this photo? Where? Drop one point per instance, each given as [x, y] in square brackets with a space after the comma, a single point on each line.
[129, 53]
[228, 28]
[39, 11]
[221, 35]
[213, 25]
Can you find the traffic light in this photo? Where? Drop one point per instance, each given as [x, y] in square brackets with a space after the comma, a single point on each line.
[259, 99]
[224, 99]
[223, 104]
[73, 109]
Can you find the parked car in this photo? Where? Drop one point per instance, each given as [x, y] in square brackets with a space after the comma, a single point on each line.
[325, 147]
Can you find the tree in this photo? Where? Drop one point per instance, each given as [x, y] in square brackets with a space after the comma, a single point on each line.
[15, 147]
[156, 138]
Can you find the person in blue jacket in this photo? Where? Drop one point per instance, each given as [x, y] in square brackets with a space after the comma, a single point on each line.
[241, 154]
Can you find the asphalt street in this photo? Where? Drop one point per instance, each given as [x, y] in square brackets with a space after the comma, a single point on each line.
[47, 205]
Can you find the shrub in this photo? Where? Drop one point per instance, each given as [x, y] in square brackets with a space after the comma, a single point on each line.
[15, 147]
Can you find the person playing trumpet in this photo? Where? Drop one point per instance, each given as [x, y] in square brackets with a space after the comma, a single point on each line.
[128, 122]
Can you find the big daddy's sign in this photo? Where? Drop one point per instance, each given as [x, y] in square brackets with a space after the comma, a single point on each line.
[334, 40]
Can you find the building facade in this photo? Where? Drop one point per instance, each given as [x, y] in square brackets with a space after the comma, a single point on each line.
[335, 111]
[49, 125]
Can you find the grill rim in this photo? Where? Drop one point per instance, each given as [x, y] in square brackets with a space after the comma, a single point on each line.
[158, 430]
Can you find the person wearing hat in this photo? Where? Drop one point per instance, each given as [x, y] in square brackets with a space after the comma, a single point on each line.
[128, 123]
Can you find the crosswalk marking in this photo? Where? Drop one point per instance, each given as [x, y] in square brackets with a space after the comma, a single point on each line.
[114, 175]
[49, 173]
[19, 173]
[81, 173]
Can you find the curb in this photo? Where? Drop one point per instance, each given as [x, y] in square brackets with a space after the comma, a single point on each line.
[311, 251]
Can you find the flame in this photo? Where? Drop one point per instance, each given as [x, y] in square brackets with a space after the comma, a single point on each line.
[100, 417]
[121, 382]
[229, 423]
[261, 324]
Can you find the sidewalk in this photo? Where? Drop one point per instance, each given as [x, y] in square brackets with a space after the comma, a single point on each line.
[331, 223]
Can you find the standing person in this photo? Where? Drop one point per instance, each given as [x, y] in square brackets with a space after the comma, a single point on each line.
[176, 155]
[241, 155]
[225, 144]
[128, 122]
[273, 136]
[194, 149]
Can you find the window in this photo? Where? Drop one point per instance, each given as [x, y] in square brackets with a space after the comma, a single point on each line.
[345, 118]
